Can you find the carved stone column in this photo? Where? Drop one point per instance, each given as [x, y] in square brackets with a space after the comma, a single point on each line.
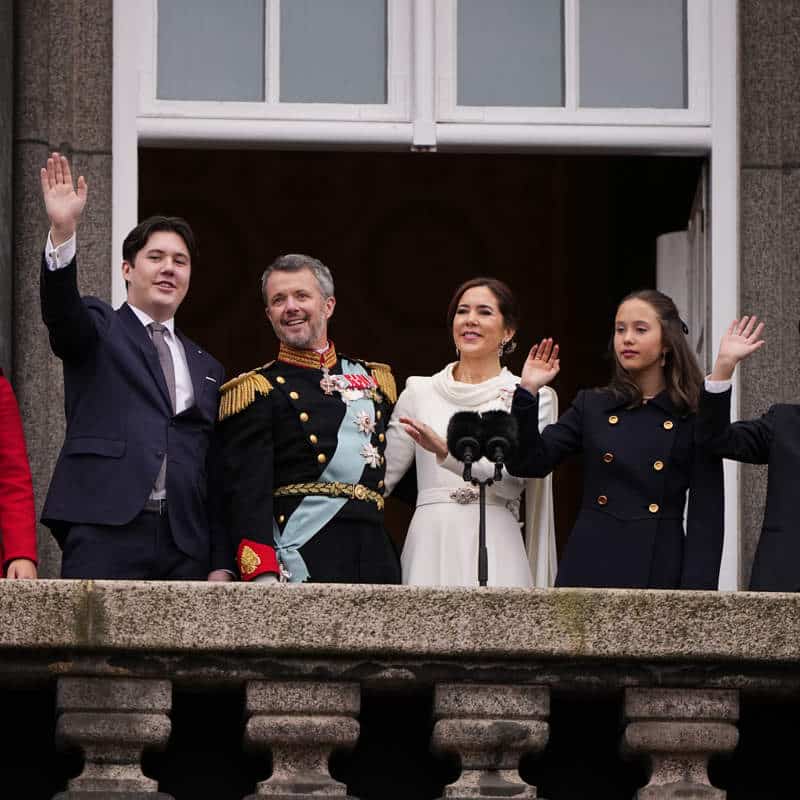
[679, 730]
[302, 723]
[112, 721]
[490, 728]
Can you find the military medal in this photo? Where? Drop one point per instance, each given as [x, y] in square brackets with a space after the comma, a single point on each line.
[328, 382]
[350, 387]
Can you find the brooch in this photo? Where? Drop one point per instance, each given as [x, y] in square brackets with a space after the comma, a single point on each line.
[464, 495]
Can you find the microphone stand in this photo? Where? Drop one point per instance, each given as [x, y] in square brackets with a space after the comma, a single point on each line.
[483, 553]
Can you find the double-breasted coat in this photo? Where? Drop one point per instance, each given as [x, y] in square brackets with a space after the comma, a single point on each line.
[638, 464]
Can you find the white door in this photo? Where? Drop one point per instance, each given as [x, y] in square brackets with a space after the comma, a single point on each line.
[682, 272]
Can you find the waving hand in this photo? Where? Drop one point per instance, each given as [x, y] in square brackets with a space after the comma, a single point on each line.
[63, 203]
[541, 366]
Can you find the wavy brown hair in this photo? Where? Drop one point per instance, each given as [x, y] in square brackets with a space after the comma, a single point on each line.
[682, 373]
[506, 304]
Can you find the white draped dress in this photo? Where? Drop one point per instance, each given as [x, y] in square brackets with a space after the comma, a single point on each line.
[441, 548]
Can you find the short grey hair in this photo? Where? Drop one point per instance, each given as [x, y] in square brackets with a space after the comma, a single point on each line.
[294, 262]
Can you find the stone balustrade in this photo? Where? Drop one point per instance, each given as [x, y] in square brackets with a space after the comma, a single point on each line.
[303, 656]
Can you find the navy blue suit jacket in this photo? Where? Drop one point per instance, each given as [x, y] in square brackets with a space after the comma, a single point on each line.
[772, 439]
[120, 423]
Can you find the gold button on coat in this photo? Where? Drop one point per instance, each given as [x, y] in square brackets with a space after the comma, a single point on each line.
[313, 438]
[381, 437]
[653, 508]
[322, 458]
[668, 425]
[303, 416]
[280, 379]
[602, 500]
[658, 466]
[613, 419]
[294, 395]
[281, 519]
[380, 484]
[608, 458]
[378, 415]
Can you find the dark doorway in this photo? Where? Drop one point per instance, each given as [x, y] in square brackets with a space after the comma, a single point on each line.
[571, 234]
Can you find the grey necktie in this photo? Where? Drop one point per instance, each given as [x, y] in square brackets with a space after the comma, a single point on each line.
[168, 368]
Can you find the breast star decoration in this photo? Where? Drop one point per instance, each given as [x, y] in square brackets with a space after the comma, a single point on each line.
[365, 423]
[371, 455]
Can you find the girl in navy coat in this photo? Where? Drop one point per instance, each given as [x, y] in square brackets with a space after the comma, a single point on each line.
[637, 436]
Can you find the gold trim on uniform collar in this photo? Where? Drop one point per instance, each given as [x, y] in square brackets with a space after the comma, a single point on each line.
[310, 359]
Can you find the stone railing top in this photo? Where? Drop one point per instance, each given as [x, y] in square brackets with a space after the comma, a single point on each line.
[399, 622]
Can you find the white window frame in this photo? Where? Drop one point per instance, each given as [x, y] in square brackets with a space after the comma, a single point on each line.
[136, 126]
[698, 27]
[144, 15]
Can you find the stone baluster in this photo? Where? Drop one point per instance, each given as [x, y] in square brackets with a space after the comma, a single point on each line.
[301, 723]
[679, 730]
[112, 721]
[490, 728]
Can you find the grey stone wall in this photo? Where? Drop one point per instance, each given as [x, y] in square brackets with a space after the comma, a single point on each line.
[62, 101]
[770, 222]
[6, 134]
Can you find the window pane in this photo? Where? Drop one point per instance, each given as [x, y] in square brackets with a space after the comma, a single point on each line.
[633, 53]
[333, 52]
[510, 53]
[209, 50]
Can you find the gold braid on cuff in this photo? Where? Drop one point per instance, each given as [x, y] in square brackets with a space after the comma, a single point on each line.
[353, 491]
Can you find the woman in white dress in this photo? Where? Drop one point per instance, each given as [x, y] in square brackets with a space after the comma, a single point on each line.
[441, 548]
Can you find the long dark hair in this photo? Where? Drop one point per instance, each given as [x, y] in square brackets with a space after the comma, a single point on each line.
[506, 303]
[682, 373]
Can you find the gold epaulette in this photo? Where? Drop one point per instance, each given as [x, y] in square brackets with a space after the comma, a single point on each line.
[240, 392]
[383, 375]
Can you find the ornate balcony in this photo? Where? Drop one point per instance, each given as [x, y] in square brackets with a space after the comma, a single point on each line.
[416, 693]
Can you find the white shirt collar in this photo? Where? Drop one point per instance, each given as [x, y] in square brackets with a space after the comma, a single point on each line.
[146, 319]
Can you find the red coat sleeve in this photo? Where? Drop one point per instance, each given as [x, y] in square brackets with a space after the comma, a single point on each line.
[17, 514]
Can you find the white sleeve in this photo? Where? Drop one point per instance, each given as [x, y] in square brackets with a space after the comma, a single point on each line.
[400, 447]
[717, 387]
[59, 257]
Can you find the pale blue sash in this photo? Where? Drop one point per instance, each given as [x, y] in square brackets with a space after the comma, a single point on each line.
[314, 513]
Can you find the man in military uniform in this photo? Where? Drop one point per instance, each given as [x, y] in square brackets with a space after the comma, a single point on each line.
[303, 440]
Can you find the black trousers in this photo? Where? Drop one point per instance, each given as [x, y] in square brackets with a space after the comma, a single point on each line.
[141, 550]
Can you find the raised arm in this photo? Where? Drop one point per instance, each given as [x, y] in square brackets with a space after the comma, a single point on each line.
[748, 441]
[72, 327]
[739, 342]
[539, 453]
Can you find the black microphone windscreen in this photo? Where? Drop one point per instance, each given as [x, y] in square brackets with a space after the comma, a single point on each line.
[501, 434]
[500, 423]
[463, 425]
